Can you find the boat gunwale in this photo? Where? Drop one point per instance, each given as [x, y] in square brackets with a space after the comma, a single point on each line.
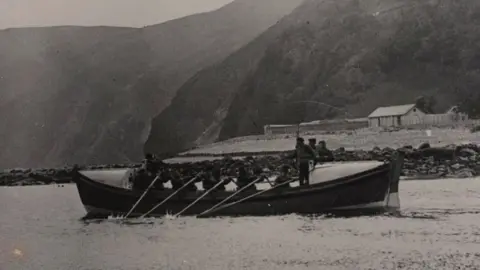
[286, 193]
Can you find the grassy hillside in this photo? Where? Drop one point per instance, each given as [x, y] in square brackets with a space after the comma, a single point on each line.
[350, 54]
[87, 94]
[358, 140]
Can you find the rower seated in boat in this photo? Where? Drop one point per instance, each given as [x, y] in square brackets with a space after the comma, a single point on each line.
[256, 169]
[176, 179]
[165, 175]
[244, 179]
[283, 177]
[212, 176]
[187, 177]
[141, 179]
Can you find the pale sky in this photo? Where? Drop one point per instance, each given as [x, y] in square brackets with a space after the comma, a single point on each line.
[135, 13]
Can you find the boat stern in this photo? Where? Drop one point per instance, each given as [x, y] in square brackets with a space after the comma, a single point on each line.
[392, 198]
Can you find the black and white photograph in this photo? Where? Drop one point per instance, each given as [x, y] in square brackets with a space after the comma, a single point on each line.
[239, 134]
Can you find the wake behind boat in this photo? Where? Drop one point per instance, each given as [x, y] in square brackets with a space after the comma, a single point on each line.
[352, 188]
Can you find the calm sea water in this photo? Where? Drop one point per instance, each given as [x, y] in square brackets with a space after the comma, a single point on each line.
[439, 229]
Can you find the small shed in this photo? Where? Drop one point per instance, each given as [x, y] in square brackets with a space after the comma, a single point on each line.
[400, 115]
[456, 114]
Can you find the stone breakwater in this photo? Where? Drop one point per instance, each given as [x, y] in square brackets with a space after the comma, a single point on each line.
[424, 162]
[30, 177]
[420, 163]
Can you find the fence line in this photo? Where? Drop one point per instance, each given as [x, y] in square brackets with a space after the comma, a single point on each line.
[326, 125]
[428, 121]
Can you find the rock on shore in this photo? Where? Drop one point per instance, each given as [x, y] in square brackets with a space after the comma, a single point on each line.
[424, 162]
[446, 162]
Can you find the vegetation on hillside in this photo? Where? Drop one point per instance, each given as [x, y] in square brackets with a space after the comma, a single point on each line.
[351, 55]
[87, 94]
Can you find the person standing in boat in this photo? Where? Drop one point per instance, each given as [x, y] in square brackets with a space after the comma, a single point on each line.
[312, 142]
[151, 166]
[303, 154]
[148, 162]
[324, 154]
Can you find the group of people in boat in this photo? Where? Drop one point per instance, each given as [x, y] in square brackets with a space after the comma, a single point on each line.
[220, 173]
[308, 155]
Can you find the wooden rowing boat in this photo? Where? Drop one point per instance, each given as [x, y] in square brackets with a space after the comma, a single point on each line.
[345, 188]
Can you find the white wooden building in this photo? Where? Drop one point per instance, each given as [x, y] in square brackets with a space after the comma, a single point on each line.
[402, 115]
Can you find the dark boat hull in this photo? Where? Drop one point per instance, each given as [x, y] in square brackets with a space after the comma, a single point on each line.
[370, 191]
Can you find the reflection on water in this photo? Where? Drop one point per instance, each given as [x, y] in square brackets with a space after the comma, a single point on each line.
[437, 229]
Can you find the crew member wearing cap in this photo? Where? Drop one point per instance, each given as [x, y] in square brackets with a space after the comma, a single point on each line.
[151, 165]
[323, 153]
[303, 154]
[312, 142]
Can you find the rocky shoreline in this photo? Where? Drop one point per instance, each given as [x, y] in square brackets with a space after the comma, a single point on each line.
[32, 177]
[424, 162]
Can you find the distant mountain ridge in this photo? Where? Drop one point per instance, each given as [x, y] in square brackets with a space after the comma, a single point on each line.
[352, 54]
[87, 94]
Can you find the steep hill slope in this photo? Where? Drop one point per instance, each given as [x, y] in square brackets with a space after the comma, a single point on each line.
[355, 55]
[87, 94]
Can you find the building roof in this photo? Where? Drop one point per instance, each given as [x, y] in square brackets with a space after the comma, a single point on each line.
[391, 111]
[333, 121]
[453, 109]
[279, 126]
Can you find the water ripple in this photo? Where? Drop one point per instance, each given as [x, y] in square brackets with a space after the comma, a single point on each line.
[438, 228]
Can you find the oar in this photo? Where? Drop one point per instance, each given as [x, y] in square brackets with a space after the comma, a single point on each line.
[233, 180]
[199, 198]
[226, 199]
[268, 180]
[171, 195]
[143, 195]
[251, 196]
